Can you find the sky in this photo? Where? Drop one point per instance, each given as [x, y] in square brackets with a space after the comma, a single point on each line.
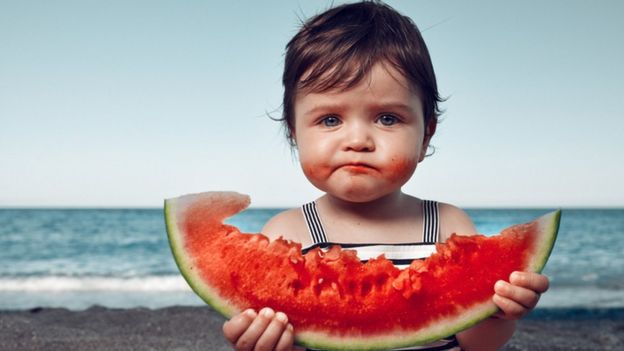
[125, 103]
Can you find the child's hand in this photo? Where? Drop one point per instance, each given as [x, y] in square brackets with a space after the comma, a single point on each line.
[518, 297]
[266, 330]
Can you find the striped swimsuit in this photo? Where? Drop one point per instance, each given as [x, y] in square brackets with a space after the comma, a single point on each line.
[400, 254]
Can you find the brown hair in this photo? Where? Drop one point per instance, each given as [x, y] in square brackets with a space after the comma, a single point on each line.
[338, 48]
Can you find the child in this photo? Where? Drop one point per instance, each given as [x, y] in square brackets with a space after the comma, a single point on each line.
[360, 107]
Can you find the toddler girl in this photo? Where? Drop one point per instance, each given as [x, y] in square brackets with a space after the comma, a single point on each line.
[360, 107]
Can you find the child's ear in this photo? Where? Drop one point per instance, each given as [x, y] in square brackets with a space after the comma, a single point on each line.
[293, 138]
[430, 129]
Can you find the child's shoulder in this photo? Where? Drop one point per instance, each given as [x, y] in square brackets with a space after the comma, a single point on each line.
[289, 224]
[454, 220]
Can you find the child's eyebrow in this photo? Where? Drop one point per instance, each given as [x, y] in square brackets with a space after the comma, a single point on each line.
[323, 108]
[373, 108]
[391, 106]
[403, 109]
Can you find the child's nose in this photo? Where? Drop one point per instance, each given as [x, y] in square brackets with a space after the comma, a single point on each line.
[359, 138]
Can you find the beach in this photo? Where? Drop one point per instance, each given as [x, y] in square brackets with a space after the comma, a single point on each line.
[199, 328]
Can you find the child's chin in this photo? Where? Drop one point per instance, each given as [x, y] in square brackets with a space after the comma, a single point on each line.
[361, 195]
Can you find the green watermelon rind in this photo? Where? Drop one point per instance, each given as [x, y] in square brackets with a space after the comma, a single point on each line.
[400, 338]
[548, 225]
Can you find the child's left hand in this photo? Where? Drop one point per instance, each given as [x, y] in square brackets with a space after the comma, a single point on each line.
[518, 297]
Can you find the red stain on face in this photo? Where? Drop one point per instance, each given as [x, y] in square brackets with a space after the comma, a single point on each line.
[361, 181]
[316, 171]
[359, 169]
[400, 169]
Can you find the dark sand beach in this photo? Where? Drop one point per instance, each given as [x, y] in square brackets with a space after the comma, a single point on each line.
[198, 328]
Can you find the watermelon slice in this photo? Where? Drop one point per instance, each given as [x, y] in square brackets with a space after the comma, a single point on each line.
[333, 300]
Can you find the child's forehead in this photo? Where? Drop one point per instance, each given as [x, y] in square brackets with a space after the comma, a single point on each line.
[339, 78]
[382, 89]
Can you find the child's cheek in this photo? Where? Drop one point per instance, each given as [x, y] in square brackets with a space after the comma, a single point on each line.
[315, 171]
[400, 169]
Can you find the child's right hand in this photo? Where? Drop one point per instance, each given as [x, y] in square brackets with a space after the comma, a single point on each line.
[266, 330]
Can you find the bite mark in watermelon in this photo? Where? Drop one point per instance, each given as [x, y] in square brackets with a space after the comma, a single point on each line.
[334, 301]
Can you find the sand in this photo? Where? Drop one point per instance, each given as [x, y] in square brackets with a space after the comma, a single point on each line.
[199, 328]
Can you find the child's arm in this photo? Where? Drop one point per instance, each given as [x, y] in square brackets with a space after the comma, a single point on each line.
[266, 330]
[515, 299]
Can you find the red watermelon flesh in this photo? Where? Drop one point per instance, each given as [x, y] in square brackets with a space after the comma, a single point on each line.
[332, 299]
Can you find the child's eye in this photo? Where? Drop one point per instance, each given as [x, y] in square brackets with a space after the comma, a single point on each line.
[388, 120]
[330, 121]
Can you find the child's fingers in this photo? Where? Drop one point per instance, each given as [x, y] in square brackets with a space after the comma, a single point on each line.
[287, 339]
[271, 335]
[236, 326]
[510, 309]
[525, 297]
[247, 341]
[534, 281]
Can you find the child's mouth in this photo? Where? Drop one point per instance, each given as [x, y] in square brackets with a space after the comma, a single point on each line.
[358, 168]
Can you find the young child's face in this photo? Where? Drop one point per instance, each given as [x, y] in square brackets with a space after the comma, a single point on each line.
[362, 143]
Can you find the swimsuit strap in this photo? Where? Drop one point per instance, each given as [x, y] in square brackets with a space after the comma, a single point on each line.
[315, 227]
[431, 230]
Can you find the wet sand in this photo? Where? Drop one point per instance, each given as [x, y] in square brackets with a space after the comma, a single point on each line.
[199, 328]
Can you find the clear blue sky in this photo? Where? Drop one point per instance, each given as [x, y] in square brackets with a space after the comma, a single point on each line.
[124, 103]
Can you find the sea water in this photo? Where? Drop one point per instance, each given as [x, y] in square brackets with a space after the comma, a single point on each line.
[76, 258]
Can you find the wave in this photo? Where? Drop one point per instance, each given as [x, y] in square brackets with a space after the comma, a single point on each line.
[168, 290]
[68, 284]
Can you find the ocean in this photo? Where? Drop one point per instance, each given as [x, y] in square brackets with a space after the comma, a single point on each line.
[120, 258]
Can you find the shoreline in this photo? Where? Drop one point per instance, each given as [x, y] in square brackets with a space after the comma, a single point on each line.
[199, 328]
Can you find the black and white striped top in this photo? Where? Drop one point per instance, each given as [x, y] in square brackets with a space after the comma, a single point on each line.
[401, 255]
